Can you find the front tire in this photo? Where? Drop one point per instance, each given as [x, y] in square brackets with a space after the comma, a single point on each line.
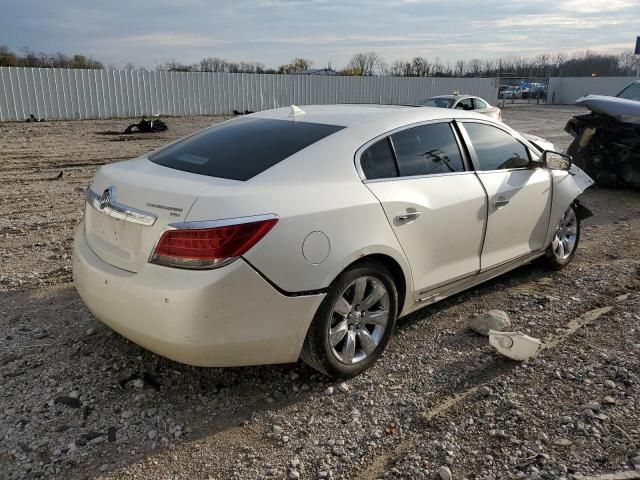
[565, 240]
[354, 322]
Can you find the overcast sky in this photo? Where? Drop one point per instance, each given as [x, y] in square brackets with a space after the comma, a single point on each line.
[274, 31]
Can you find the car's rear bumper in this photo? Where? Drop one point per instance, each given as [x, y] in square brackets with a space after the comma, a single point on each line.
[228, 316]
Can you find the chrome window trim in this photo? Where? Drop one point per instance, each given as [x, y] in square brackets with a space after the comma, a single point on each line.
[225, 222]
[119, 210]
[357, 157]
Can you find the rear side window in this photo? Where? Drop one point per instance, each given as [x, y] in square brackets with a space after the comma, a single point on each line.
[243, 148]
[427, 150]
[479, 104]
[495, 148]
[377, 161]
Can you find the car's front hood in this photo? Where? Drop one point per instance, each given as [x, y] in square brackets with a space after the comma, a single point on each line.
[539, 142]
[627, 111]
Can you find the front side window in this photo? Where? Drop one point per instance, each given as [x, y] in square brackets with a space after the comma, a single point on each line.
[241, 149]
[465, 104]
[495, 148]
[377, 161]
[427, 150]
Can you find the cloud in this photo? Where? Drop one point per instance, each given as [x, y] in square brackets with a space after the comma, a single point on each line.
[274, 31]
[169, 39]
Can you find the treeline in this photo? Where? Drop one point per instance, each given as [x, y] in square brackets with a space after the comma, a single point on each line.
[577, 64]
[30, 58]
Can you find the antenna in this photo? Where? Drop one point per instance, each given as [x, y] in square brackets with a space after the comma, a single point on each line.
[296, 111]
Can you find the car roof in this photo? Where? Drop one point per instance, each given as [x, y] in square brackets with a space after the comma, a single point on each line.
[348, 115]
[452, 96]
[343, 114]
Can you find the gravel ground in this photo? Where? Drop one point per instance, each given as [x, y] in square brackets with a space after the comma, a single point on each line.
[78, 401]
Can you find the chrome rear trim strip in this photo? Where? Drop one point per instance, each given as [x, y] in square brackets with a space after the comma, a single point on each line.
[107, 204]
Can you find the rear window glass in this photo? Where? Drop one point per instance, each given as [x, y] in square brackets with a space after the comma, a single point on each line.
[243, 148]
[378, 162]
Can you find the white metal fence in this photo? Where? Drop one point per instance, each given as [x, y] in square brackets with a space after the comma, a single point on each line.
[565, 90]
[54, 93]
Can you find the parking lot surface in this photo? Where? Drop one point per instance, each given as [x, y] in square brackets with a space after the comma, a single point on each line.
[79, 401]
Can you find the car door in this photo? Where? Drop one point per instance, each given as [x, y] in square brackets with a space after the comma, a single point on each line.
[519, 195]
[434, 203]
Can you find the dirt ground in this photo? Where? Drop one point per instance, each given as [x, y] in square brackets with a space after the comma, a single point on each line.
[79, 401]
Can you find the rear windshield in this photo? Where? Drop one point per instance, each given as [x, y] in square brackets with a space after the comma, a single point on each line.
[437, 102]
[243, 148]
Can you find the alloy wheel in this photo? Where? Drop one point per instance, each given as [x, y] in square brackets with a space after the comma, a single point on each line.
[359, 319]
[564, 239]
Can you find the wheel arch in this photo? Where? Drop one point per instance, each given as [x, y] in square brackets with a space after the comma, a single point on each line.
[401, 276]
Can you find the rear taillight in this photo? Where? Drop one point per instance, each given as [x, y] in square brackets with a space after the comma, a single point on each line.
[203, 248]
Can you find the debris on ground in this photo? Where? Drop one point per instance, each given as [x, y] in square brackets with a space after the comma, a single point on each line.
[496, 320]
[515, 345]
[32, 118]
[147, 126]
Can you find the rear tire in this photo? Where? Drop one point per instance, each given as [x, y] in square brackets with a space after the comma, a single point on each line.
[354, 322]
[565, 240]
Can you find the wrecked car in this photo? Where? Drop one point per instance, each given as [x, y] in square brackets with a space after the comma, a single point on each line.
[306, 232]
[606, 141]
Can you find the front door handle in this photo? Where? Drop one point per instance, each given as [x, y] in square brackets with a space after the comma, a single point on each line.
[500, 202]
[404, 217]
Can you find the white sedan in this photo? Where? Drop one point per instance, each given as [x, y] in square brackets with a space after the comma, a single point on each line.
[464, 102]
[307, 232]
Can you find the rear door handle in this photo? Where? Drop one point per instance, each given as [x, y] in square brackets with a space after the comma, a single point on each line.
[500, 202]
[403, 217]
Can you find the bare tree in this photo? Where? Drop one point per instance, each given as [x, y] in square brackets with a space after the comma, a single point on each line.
[364, 64]
[458, 69]
[296, 65]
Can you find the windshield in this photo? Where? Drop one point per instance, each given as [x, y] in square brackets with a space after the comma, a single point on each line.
[632, 92]
[438, 102]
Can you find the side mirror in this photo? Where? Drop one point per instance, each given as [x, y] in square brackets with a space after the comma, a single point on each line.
[556, 160]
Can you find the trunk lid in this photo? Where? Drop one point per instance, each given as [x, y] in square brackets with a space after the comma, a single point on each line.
[143, 199]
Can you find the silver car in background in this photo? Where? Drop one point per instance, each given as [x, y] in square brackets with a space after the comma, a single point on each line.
[468, 103]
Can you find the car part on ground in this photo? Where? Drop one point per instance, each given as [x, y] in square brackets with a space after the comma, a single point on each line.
[515, 345]
[606, 141]
[147, 126]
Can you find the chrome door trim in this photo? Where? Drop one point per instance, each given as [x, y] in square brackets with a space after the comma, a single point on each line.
[105, 203]
[435, 294]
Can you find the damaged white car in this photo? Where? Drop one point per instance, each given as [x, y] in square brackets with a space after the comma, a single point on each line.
[308, 232]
